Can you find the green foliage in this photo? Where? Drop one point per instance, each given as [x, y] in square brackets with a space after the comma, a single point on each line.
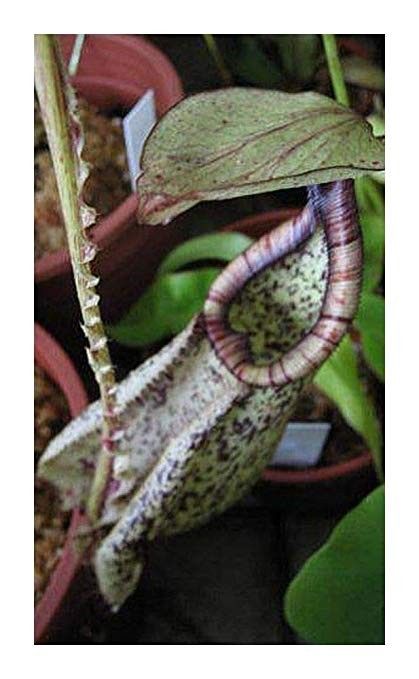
[165, 308]
[339, 379]
[287, 62]
[370, 323]
[243, 141]
[221, 246]
[376, 120]
[298, 56]
[370, 317]
[170, 302]
[369, 197]
[338, 596]
[290, 62]
[372, 227]
[249, 62]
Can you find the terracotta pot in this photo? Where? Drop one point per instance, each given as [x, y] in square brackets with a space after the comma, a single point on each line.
[319, 487]
[54, 361]
[114, 72]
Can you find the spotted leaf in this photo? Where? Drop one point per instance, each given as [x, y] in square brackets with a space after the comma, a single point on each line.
[243, 141]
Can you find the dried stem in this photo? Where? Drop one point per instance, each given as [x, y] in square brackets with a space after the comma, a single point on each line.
[73, 64]
[58, 106]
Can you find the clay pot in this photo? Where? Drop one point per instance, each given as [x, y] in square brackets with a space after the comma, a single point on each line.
[54, 361]
[335, 487]
[114, 71]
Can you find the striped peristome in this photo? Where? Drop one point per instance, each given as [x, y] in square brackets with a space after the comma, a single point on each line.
[333, 205]
[203, 417]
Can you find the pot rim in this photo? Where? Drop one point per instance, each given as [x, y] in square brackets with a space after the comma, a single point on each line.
[144, 49]
[51, 357]
[108, 228]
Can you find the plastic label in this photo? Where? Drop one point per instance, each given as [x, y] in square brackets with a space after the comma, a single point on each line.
[301, 445]
[137, 125]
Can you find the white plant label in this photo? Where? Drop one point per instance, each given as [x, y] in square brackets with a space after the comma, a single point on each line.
[301, 445]
[137, 125]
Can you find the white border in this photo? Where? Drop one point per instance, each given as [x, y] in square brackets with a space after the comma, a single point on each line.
[402, 311]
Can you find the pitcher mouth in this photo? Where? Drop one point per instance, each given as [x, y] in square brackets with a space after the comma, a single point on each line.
[333, 207]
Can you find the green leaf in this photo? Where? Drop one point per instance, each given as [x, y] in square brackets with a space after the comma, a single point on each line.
[338, 378]
[363, 73]
[165, 308]
[372, 227]
[338, 596]
[249, 61]
[376, 120]
[370, 323]
[371, 207]
[369, 195]
[299, 54]
[244, 141]
[222, 246]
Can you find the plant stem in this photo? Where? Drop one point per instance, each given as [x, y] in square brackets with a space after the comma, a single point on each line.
[65, 138]
[335, 69]
[217, 56]
[73, 64]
